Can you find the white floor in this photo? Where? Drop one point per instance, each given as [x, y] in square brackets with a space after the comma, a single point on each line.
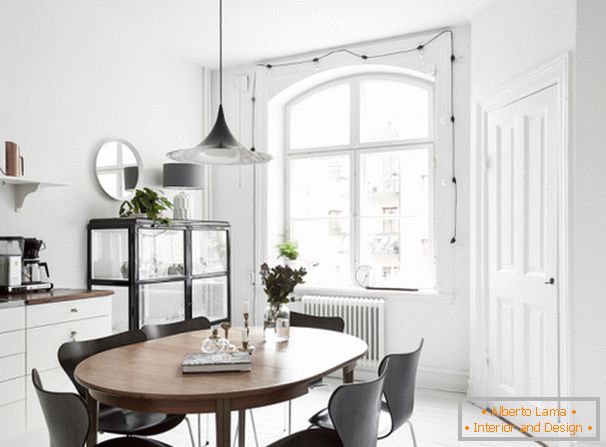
[435, 422]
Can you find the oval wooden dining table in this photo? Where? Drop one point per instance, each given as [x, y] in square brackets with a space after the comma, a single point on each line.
[147, 376]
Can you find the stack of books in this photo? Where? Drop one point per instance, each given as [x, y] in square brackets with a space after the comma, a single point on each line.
[199, 362]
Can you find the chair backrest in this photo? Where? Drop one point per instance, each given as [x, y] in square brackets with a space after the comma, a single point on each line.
[153, 331]
[400, 377]
[73, 352]
[304, 320]
[354, 410]
[66, 416]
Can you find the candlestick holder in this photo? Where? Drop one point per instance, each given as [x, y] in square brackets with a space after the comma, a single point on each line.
[246, 326]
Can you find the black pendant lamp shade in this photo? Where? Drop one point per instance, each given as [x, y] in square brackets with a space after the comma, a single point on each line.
[220, 146]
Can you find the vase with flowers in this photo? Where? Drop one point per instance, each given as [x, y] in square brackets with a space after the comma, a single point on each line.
[279, 282]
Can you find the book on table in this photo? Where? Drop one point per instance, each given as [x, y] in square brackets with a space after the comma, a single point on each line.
[200, 362]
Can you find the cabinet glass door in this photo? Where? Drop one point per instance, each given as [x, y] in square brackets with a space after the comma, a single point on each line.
[209, 298]
[109, 254]
[161, 303]
[209, 251]
[161, 253]
[120, 308]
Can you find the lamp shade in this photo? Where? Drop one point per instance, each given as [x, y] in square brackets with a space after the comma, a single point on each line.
[131, 177]
[220, 147]
[182, 176]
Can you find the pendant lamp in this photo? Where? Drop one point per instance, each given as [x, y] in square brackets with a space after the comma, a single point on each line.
[220, 147]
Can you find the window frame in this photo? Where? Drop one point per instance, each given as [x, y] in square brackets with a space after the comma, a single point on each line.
[355, 149]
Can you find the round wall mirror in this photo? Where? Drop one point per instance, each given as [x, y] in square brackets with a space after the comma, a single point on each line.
[118, 168]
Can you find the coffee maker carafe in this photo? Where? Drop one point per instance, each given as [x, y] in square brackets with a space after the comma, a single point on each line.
[34, 269]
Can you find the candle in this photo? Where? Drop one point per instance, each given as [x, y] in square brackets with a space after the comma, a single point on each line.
[244, 335]
[246, 307]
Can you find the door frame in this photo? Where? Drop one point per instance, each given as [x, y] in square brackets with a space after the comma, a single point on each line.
[555, 72]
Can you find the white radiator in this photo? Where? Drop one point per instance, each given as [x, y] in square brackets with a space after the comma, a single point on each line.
[364, 318]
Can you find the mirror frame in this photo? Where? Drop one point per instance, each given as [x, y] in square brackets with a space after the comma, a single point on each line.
[137, 158]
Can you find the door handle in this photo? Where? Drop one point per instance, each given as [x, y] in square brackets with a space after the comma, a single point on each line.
[551, 281]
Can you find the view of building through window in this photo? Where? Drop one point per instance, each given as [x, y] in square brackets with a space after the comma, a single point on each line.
[360, 193]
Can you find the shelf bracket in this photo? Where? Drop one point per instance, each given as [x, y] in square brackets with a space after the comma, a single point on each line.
[21, 192]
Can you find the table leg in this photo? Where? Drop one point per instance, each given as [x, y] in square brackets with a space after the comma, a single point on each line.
[241, 428]
[223, 422]
[348, 373]
[93, 414]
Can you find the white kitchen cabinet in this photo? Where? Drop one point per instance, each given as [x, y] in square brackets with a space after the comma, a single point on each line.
[30, 336]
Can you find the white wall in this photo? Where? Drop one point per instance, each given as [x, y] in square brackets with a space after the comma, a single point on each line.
[442, 321]
[588, 257]
[67, 82]
[508, 39]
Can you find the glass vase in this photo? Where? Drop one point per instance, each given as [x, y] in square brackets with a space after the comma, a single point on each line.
[276, 322]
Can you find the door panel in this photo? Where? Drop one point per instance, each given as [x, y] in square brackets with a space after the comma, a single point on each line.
[522, 227]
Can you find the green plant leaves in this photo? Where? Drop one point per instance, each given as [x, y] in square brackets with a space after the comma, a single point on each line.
[149, 202]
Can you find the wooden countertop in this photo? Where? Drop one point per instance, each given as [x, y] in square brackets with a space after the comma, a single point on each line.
[56, 295]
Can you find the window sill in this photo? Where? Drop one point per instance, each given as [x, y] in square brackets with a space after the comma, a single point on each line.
[425, 296]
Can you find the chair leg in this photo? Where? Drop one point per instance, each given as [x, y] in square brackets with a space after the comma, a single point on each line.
[290, 417]
[412, 433]
[254, 427]
[191, 433]
[207, 430]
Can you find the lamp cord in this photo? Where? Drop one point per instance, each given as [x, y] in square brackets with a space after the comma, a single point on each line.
[365, 57]
[220, 52]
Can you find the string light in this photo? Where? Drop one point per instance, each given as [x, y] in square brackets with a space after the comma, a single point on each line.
[420, 49]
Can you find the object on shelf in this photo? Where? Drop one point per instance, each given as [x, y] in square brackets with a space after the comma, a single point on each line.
[149, 202]
[14, 163]
[182, 176]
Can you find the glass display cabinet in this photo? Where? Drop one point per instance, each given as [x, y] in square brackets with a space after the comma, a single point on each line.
[161, 274]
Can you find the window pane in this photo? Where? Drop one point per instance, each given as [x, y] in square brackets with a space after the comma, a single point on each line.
[325, 242]
[394, 182]
[321, 119]
[391, 110]
[395, 232]
[319, 186]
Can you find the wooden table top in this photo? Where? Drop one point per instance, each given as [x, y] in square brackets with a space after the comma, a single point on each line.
[148, 375]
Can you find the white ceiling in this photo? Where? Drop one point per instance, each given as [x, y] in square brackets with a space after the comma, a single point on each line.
[262, 29]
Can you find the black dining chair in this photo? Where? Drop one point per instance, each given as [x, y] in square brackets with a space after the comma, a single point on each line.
[354, 410]
[298, 319]
[153, 331]
[113, 419]
[400, 372]
[68, 420]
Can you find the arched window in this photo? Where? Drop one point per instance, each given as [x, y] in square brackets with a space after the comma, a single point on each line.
[359, 179]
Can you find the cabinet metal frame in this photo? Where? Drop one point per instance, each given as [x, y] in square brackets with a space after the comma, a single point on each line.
[133, 225]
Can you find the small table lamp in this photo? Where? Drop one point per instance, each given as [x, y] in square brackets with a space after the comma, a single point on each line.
[182, 176]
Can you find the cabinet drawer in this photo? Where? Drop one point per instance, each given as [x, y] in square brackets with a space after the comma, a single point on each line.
[51, 313]
[43, 342]
[12, 343]
[12, 420]
[12, 391]
[12, 319]
[53, 380]
[12, 367]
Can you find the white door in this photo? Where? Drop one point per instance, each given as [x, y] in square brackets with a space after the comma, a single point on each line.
[523, 247]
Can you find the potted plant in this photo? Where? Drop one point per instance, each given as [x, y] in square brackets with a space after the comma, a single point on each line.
[279, 282]
[147, 202]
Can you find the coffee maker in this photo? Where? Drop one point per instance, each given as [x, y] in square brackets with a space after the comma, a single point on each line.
[21, 270]
[35, 272]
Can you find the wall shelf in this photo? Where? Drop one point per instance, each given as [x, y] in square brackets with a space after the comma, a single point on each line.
[25, 186]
